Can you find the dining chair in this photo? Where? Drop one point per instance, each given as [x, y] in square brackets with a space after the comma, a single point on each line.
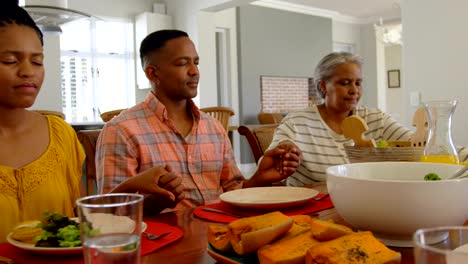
[106, 116]
[269, 118]
[88, 139]
[222, 113]
[49, 112]
[259, 137]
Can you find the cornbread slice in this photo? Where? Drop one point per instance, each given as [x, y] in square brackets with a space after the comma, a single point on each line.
[26, 234]
[287, 251]
[361, 247]
[250, 233]
[301, 224]
[326, 230]
[218, 237]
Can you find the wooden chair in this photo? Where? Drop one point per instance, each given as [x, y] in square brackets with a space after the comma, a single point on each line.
[269, 118]
[48, 112]
[106, 116]
[259, 137]
[223, 114]
[88, 139]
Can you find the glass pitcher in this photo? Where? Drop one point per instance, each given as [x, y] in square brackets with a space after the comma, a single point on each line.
[439, 147]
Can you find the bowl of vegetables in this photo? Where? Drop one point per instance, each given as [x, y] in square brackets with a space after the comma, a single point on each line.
[394, 199]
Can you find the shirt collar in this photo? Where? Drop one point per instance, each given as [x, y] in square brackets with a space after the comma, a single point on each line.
[160, 109]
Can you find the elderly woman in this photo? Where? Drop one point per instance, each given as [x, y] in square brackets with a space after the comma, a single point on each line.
[317, 129]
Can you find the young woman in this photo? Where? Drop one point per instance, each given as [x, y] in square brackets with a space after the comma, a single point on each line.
[40, 156]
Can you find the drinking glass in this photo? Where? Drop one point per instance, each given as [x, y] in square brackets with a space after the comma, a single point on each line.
[441, 245]
[111, 227]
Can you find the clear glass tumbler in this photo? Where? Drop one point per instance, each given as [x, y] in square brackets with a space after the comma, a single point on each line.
[441, 245]
[111, 227]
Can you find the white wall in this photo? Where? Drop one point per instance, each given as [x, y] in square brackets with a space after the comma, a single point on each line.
[50, 95]
[434, 56]
[370, 96]
[208, 96]
[394, 95]
[349, 33]
[227, 19]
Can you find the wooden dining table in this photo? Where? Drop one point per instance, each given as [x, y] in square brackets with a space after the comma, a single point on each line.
[192, 247]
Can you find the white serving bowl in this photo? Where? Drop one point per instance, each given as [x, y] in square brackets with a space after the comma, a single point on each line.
[393, 200]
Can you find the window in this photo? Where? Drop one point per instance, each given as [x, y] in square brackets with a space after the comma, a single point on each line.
[97, 68]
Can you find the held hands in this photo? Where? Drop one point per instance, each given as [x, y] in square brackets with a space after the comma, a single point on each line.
[278, 163]
[161, 183]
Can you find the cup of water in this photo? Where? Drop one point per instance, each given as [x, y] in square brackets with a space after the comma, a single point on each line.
[441, 245]
[111, 227]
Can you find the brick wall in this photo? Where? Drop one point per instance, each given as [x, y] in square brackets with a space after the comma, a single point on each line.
[286, 94]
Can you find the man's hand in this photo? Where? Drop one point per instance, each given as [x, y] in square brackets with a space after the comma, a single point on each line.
[276, 165]
[163, 188]
[172, 183]
[162, 182]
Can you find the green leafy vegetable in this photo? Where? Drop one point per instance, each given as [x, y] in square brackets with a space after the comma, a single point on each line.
[432, 177]
[61, 231]
[381, 144]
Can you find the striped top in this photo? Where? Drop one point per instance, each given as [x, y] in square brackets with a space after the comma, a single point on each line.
[322, 147]
[143, 137]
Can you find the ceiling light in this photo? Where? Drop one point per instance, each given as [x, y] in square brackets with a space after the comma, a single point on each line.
[389, 35]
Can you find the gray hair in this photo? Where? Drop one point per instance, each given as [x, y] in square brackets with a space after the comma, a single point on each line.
[328, 64]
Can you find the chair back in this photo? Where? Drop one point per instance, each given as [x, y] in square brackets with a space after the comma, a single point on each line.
[88, 139]
[269, 118]
[49, 112]
[223, 114]
[106, 116]
[259, 137]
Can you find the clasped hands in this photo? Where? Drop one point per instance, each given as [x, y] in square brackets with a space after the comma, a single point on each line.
[276, 164]
[161, 183]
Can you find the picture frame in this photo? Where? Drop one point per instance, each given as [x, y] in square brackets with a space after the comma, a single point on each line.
[393, 78]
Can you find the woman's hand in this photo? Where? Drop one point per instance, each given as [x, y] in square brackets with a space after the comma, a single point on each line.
[161, 183]
[276, 165]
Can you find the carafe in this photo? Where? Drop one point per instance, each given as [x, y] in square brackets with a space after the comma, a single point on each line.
[439, 147]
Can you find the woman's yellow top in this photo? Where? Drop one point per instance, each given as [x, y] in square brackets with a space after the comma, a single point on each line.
[50, 183]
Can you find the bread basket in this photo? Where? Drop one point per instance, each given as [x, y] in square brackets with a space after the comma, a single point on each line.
[371, 154]
[366, 150]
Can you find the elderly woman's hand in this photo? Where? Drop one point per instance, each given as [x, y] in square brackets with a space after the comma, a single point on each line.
[276, 165]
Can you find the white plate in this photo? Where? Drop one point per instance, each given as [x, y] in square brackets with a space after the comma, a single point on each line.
[52, 250]
[268, 197]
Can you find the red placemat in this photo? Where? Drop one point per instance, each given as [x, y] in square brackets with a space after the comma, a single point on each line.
[309, 207]
[147, 246]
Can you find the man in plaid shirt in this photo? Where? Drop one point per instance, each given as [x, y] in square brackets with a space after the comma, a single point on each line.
[166, 148]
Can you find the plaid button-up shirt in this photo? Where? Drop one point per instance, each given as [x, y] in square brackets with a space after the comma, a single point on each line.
[143, 137]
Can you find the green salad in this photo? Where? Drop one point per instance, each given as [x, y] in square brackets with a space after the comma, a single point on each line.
[59, 231]
[432, 177]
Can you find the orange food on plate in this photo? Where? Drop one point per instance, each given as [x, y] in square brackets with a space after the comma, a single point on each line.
[250, 233]
[326, 230]
[219, 238]
[287, 251]
[361, 247]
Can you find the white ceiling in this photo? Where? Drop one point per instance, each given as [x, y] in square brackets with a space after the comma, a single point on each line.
[362, 10]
